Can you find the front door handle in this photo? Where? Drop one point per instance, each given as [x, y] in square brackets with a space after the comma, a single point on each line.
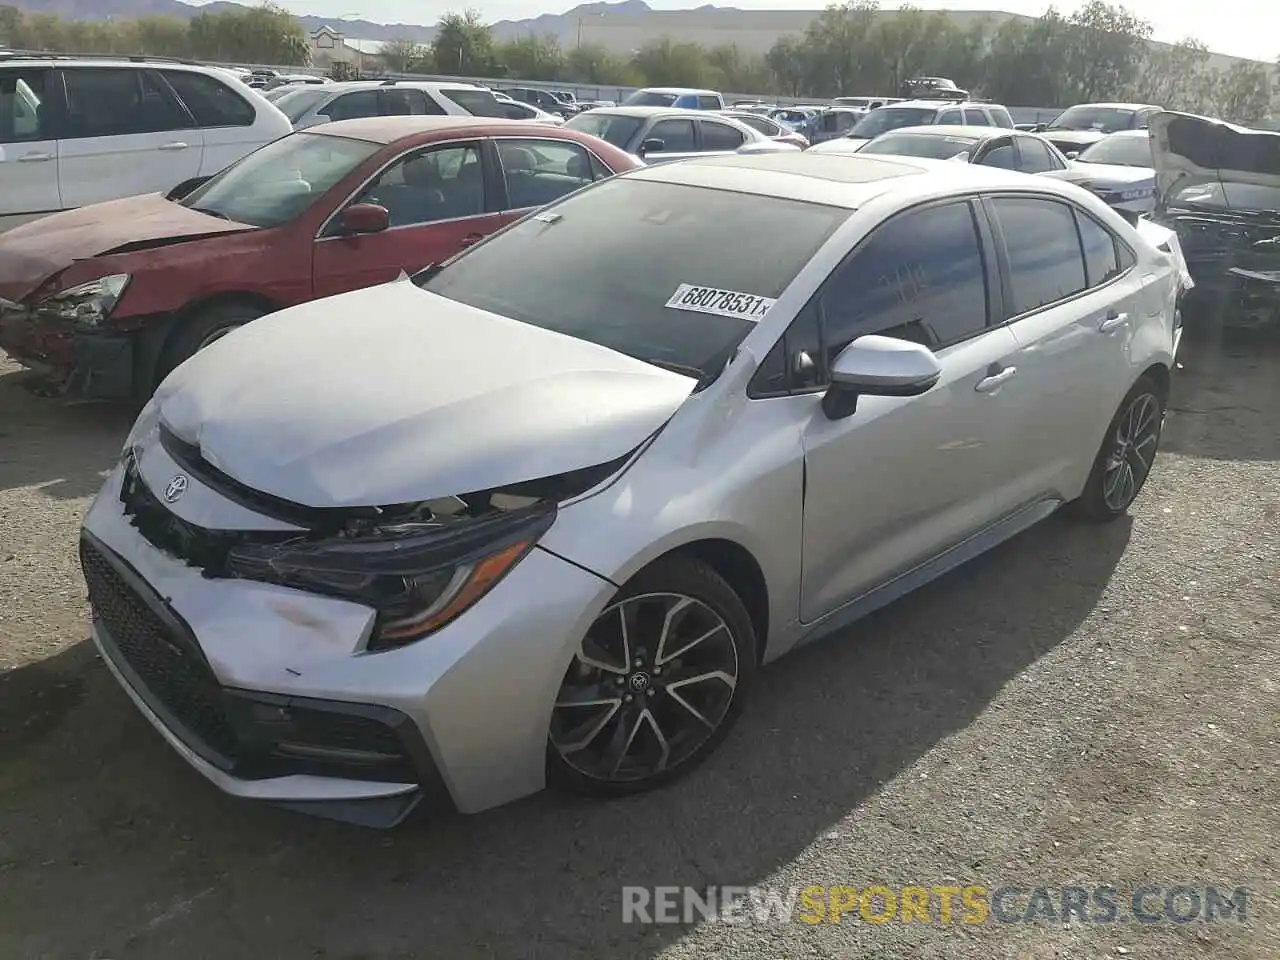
[471, 238]
[35, 157]
[1114, 321]
[176, 145]
[995, 379]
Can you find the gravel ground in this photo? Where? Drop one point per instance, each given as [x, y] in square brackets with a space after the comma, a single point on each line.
[1082, 706]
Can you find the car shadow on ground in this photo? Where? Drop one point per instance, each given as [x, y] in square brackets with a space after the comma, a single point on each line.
[1225, 402]
[542, 877]
[61, 448]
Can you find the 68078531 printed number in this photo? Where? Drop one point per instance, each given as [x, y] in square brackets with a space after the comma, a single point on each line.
[722, 303]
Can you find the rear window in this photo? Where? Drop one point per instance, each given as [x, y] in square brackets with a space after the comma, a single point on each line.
[603, 264]
[211, 102]
[920, 145]
[297, 103]
[478, 103]
[893, 118]
[649, 98]
[615, 128]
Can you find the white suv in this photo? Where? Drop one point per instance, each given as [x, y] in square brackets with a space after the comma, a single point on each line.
[78, 131]
[308, 106]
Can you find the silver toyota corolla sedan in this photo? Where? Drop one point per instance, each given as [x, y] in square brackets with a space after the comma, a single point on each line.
[540, 513]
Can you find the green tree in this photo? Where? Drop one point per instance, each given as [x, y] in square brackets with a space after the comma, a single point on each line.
[533, 58]
[738, 72]
[788, 60]
[402, 55]
[593, 63]
[1105, 46]
[463, 46]
[264, 34]
[1243, 93]
[667, 63]
[1178, 77]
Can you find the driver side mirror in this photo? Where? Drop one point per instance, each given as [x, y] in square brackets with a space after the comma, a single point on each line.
[878, 367]
[365, 218]
[652, 145]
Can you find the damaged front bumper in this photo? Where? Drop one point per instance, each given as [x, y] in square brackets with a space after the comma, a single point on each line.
[86, 363]
[270, 691]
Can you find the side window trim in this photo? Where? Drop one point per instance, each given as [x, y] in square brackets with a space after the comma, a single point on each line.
[162, 82]
[1002, 252]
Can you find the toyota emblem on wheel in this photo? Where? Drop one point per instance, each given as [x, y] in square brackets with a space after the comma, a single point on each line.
[176, 488]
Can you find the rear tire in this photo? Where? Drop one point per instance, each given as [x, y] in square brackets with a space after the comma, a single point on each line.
[656, 685]
[1126, 456]
[197, 330]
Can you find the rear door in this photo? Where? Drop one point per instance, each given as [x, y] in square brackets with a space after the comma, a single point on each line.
[225, 118]
[537, 171]
[1035, 157]
[30, 107]
[715, 137]
[1072, 298]
[440, 198]
[678, 140]
[352, 106]
[125, 134]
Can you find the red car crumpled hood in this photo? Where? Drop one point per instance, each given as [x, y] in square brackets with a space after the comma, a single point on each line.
[35, 251]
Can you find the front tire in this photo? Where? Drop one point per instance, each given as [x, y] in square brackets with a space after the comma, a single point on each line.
[201, 328]
[656, 684]
[1127, 454]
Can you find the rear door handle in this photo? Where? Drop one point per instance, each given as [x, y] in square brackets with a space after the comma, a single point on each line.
[35, 157]
[471, 238]
[176, 145]
[1114, 321]
[994, 381]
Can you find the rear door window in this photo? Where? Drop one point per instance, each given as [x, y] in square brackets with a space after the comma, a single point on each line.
[1045, 261]
[710, 103]
[1001, 117]
[212, 102]
[352, 106]
[478, 103]
[106, 102]
[538, 172]
[720, 136]
[1101, 250]
[1036, 157]
[949, 117]
[676, 135]
[24, 112]
[405, 102]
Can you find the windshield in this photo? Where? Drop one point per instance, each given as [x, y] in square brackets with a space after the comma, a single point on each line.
[1085, 117]
[920, 145]
[603, 265]
[649, 98]
[852, 101]
[1121, 151]
[276, 183]
[297, 102]
[614, 128]
[891, 118]
[478, 103]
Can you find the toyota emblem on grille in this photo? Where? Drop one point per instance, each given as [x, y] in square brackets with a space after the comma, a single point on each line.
[176, 488]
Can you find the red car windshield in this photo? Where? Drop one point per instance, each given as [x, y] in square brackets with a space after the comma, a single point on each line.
[278, 182]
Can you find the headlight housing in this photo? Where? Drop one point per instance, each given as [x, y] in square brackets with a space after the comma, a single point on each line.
[85, 304]
[418, 576]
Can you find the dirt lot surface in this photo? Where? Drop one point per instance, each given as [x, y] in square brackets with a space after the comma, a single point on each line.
[1082, 706]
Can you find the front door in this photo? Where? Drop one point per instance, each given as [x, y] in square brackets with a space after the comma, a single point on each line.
[904, 478]
[440, 200]
[28, 148]
[125, 134]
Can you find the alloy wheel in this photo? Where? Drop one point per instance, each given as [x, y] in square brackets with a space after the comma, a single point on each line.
[1132, 453]
[651, 683]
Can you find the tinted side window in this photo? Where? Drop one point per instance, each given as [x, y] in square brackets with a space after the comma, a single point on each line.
[676, 135]
[1000, 117]
[439, 183]
[795, 362]
[720, 136]
[1036, 157]
[478, 103]
[211, 102]
[350, 106]
[710, 103]
[23, 113]
[540, 171]
[949, 117]
[761, 124]
[1125, 257]
[1045, 263]
[1001, 156]
[1101, 262]
[102, 102]
[409, 103]
[920, 276]
[974, 117]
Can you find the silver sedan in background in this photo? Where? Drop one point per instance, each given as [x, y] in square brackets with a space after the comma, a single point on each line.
[662, 134]
[540, 515]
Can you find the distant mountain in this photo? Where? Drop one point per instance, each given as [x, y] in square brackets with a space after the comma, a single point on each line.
[557, 24]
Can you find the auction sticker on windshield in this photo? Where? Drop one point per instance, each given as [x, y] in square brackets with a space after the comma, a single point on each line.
[721, 303]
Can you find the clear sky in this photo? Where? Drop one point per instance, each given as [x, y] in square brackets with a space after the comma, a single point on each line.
[1242, 28]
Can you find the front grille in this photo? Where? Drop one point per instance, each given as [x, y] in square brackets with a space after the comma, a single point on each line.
[173, 676]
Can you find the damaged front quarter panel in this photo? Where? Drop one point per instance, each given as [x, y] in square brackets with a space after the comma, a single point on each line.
[1218, 188]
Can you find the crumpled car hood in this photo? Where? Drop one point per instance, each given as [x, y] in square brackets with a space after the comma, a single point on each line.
[392, 395]
[1190, 151]
[33, 252]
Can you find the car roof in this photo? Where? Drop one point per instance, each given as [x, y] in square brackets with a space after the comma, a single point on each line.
[976, 131]
[653, 111]
[347, 85]
[833, 179]
[710, 93]
[63, 60]
[1117, 106]
[390, 129]
[927, 104]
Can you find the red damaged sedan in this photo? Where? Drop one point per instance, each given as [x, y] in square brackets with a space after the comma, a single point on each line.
[109, 298]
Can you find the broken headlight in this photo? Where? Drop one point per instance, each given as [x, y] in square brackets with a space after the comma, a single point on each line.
[87, 304]
[418, 576]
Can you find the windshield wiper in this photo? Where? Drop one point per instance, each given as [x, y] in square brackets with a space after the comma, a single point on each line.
[209, 213]
[697, 373]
